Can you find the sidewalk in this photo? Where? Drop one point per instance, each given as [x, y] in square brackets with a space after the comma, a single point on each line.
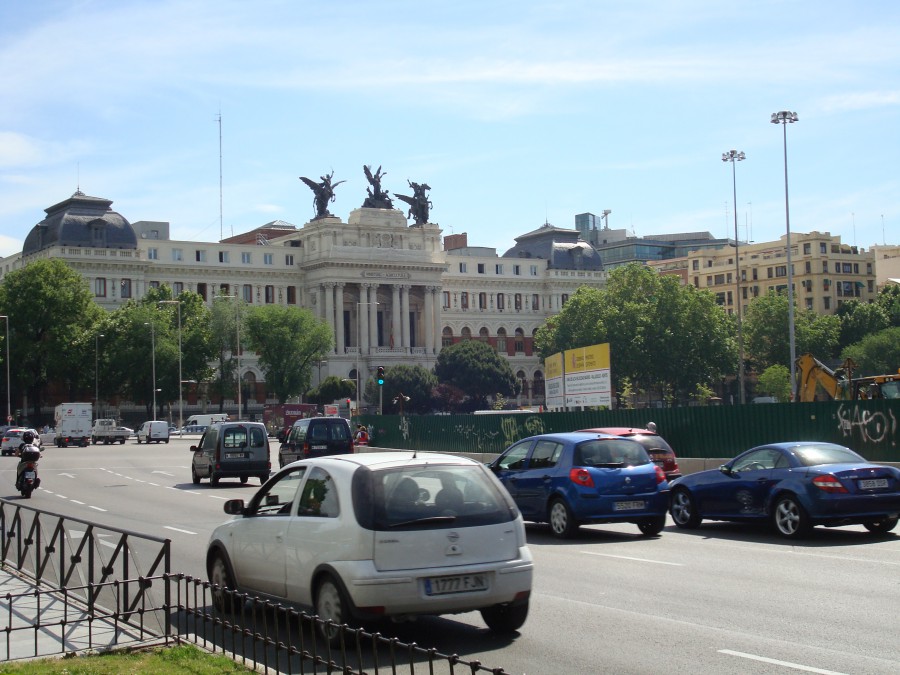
[40, 622]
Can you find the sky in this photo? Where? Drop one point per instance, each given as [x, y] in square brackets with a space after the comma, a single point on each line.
[515, 112]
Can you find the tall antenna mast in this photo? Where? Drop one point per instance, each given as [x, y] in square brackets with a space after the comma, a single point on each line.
[221, 230]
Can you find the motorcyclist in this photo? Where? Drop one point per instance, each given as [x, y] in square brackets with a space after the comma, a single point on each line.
[28, 454]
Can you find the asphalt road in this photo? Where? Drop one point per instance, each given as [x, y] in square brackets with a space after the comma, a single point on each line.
[720, 599]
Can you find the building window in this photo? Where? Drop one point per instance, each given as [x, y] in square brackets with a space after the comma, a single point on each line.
[246, 257]
[154, 284]
[462, 268]
[224, 257]
[807, 248]
[200, 255]
[289, 259]
[224, 289]
[177, 255]
[695, 264]
[268, 259]
[501, 341]
[535, 302]
[152, 254]
[501, 301]
[177, 288]
[517, 270]
[809, 303]
[720, 299]
[719, 279]
[827, 300]
[464, 300]
[518, 300]
[484, 336]
[125, 288]
[825, 266]
[520, 341]
[445, 299]
[480, 268]
[100, 288]
[292, 295]
[446, 337]
[755, 274]
[534, 270]
[781, 271]
[498, 269]
[823, 248]
[466, 334]
[270, 295]
[482, 301]
[247, 293]
[809, 266]
[565, 298]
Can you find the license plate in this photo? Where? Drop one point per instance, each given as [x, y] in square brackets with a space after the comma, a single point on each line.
[462, 583]
[318, 447]
[873, 483]
[629, 506]
[234, 455]
[29, 475]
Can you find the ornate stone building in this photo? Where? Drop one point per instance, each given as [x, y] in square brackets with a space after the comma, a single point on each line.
[391, 293]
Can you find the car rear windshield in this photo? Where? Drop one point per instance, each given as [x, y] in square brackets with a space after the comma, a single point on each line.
[652, 442]
[610, 452]
[429, 497]
[825, 453]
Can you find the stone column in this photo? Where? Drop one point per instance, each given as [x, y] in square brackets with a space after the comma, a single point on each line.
[404, 316]
[362, 319]
[373, 316]
[429, 319]
[339, 318]
[395, 316]
[329, 306]
[437, 319]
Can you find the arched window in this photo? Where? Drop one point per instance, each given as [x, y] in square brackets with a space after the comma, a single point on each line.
[520, 341]
[538, 383]
[501, 340]
[466, 334]
[447, 337]
[523, 383]
[484, 335]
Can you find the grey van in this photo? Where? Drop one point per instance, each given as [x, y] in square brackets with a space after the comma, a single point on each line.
[232, 450]
[314, 437]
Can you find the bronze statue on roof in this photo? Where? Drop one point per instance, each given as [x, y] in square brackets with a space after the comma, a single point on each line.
[324, 193]
[419, 204]
[378, 198]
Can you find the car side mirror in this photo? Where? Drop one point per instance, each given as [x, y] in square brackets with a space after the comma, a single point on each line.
[193, 448]
[234, 507]
[724, 469]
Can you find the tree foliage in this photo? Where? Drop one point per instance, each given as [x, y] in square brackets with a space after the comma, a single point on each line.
[876, 354]
[52, 315]
[775, 381]
[859, 319]
[331, 389]
[288, 341]
[660, 333]
[416, 382]
[889, 301]
[477, 369]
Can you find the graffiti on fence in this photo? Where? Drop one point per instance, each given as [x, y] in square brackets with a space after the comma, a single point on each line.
[871, 427]
[513, 430]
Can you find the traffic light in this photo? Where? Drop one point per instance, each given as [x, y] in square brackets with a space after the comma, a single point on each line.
[380, 376]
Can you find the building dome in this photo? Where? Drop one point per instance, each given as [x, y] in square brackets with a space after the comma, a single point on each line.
[83, 221]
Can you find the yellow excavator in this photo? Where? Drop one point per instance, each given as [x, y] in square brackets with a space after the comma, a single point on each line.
[840, 384]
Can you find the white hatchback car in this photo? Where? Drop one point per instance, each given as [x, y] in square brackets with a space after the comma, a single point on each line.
[374, 535]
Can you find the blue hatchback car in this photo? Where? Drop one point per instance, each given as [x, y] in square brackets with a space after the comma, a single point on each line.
[576, 478]
[796, 485]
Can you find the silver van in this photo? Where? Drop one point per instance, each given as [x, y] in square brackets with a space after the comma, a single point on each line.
[153, 431]
[232, 450]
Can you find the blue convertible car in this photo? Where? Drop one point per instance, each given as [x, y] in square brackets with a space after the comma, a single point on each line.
[796, 485]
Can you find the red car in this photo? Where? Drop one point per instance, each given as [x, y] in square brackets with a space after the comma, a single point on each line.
[660, 452]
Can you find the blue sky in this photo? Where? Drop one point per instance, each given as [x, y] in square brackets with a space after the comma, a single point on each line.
[514, 112]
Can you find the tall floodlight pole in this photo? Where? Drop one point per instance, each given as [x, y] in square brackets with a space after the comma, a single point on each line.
[153, 362]
[97, 373]
[180, 399]
[735, 156]
[785, 117]
[8, 392]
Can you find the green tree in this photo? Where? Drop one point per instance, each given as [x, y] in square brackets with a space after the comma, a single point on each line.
[661, 334]
[416, 382]
[226, 319]
[876, 354]
[331, 389]
[775, 381]
[52, 319]
[288, 342]
[889, 300]
[859, 319]
[478, 370]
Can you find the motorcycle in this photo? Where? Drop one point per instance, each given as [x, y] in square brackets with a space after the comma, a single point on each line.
[28, 478]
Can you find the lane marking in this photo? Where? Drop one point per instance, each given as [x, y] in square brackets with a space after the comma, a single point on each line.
[75, 501]
[776, 662]
[625, 557]
[97, 508]
[224, 499]
[164, 473]
[68, 475]
[176, 529]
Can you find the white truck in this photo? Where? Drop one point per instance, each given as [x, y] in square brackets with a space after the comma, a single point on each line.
[107, 431]
[73, 424]
[195, 421]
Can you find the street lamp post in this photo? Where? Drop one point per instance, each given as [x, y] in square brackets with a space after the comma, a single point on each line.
[785, 117]
[97, 373]
[735, 156]
[153, 362]
[180, 381]
[8, 392]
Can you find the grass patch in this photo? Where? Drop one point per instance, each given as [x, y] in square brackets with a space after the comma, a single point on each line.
[186, 659]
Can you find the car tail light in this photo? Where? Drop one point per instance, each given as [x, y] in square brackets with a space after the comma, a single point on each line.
[829, 483]
[660, 475]
[581, 476]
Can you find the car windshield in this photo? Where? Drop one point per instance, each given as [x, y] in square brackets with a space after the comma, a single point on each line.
[428, 497]
[610, 452]
[825, 453]
[652, 442]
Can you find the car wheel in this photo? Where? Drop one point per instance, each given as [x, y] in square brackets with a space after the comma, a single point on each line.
[562, 520]
[223, 596]
[194, 477]
[331, 605]
[139, 440]
[505, 619]
[684, 510]
[652, 526]
[790, 518]
[881, 526]
[244, 480]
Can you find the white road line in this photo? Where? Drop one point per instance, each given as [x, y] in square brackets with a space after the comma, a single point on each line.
[625, 557]
[97, 508]
[776, 662]
[224, 499]
[176, 529]
[61, 496]
[75, 501]
[164, 473]
[153, 484]
[68, 475]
